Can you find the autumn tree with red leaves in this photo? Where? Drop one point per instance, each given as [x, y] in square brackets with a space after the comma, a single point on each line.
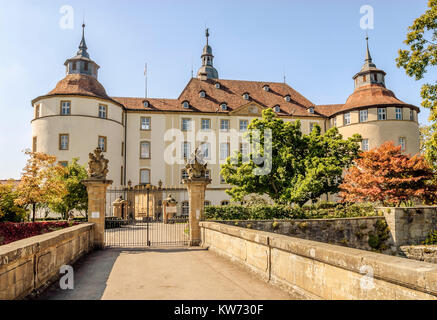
[388, 176]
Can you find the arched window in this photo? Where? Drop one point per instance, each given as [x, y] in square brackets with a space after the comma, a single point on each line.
[185, 104]
[277, 109]
[185, 208]
[202, 94]
[287, 98]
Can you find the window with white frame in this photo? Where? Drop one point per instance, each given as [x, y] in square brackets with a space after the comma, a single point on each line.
[224, 125]
[398, 113]
[365, 145]
[186, 125]
[145, 123]
[224, 150]
[411, 114]
[312, 124]
[145, 176]
[243, 125]
[334, 121]
[205, 124]
[382, 113]
[37, 110]
[205, 148]
[347, 118]
[402, 143]
[65, 108]
[103, 111]
[364, 114]
[222, 180]
[63, 141]
[186, 149]
[145, 150]
[101, 143]
[224, 106]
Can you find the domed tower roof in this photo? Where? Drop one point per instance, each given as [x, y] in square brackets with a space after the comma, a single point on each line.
[207, 70]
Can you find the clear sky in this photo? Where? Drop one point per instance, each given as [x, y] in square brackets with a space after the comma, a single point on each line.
[318, 44]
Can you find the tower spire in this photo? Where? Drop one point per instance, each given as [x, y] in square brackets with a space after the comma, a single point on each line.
[207, 70]
[82, 46]
[207, 35]
[368, 56]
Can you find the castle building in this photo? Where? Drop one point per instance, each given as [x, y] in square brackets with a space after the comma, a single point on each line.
[146, 140]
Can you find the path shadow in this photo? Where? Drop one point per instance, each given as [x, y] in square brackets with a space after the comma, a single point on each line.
[91, 273]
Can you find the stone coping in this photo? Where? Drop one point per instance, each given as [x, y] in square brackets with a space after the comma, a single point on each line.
[408, 208]
[421, 276]
[18, 249]
[299, 220]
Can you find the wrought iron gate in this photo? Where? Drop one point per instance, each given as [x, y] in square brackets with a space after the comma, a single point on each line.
[134, 217]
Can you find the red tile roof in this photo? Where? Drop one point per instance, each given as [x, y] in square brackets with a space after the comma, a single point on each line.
[230, 92]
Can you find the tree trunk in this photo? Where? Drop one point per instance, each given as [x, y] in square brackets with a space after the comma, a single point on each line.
[34, 211]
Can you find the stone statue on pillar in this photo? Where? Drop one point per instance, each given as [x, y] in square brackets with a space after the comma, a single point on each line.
[97, 165]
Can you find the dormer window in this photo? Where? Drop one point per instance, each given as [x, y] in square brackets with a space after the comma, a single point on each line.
[217, 85]
[202, 94]
[287, 98]
[224, 106]
[186, 105]
[146, 104]
[277, 109]
[266, 88]
[246, 96]
[311, 110]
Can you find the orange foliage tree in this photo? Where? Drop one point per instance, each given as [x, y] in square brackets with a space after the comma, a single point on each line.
[40, 182]
[388, 176]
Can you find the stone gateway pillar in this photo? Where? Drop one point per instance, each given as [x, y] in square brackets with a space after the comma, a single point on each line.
[196, 185]
[96, 187]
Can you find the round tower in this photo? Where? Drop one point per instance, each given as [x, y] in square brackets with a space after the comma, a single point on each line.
[77, 116]
[207, 70]
[374, 112]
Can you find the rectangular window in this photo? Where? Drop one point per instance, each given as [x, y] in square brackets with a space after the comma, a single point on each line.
[398, 113]
[224, 125]
[145, 123]
[37, 108]
[244, 148]
[312, 124]
[411, 114]
[224, 150]
[205, 149]
[145, 150]
[382, 113]
[34, 142]
[365, 145]
[402, 143]
[335, 121]
[65, 108]
[186, 149]
[364, 114]
[347, 118]
[144, 176]
[103, 111]
[205, 124]
[63, 141]
[243, 125]
[102, 143]
[186, 125]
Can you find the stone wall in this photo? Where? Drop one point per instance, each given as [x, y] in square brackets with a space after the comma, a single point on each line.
[410, 226]
[31, 264]
[421, 253]
[319, 270]
[368, 233]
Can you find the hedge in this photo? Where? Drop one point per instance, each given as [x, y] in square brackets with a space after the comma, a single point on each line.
[268, 212]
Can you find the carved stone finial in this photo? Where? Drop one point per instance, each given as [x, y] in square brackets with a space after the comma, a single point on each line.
[196, 166]
[97, 165]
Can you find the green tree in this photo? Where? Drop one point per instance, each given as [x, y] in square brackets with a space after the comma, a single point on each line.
[422, 40]
[76, 197]
[303, 167]
[9, 211]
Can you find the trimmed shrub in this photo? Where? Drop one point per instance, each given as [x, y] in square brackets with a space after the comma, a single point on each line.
[268, 212]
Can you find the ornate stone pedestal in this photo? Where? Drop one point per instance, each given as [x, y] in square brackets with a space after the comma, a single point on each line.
[196, 185]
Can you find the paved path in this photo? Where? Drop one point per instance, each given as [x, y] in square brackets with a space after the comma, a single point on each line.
[167, 274]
